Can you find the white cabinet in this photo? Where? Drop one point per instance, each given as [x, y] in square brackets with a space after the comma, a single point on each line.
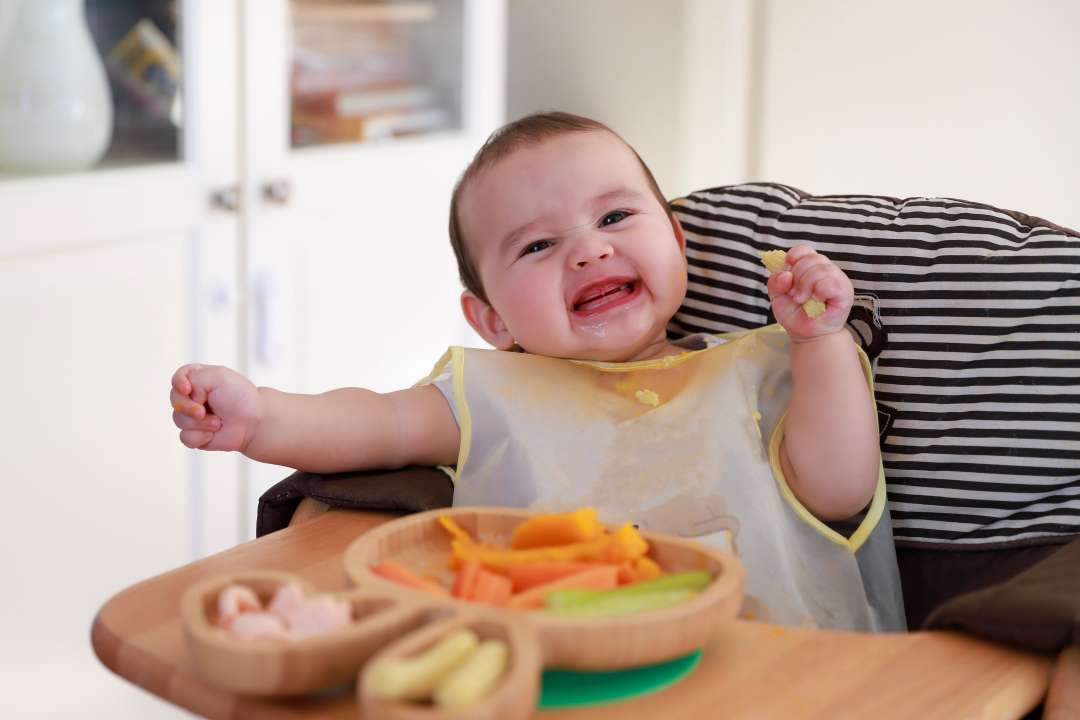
[332, 267]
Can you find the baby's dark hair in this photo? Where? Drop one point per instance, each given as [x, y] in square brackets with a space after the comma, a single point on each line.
[524, 132]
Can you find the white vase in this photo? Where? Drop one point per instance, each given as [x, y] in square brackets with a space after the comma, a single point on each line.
[55, 107]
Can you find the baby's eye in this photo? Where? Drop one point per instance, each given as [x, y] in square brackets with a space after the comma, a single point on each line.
[613, 217]
[535, 247]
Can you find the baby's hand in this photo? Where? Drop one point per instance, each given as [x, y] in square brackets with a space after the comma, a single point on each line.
[809, 274]
[215, 408]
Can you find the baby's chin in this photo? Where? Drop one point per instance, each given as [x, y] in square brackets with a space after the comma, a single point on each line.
[602, 349]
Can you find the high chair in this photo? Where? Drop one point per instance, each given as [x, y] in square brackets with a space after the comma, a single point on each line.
[969, 314]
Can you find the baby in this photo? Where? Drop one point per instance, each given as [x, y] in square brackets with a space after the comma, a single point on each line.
[570, 257]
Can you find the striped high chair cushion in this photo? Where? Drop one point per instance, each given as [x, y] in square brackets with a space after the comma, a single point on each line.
[970, 314]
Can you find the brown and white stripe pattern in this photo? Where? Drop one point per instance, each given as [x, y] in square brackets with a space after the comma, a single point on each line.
[981, 372]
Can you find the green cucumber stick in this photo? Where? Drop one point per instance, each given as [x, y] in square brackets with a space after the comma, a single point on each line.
[689, 580]
[613, 604]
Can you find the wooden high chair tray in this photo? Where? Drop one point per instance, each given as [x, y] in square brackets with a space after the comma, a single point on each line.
[750, 670]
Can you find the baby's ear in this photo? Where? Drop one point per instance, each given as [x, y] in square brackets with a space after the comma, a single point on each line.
[485, 321]
[679, 237]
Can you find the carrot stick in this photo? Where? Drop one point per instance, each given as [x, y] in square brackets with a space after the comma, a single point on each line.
[529, 575]
[490, 588]
[396, 572]
[598, 577]
[465, 583]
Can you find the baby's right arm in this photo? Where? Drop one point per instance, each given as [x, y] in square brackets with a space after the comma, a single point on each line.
[346, 429]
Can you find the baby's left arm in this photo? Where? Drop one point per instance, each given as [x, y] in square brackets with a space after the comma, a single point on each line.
[829, 452]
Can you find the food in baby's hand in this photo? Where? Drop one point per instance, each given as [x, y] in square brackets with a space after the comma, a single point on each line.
[775, 261]
[415, 678]
[290, 614]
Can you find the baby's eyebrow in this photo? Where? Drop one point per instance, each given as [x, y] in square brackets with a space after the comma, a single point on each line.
[617, 193]
[598, 200]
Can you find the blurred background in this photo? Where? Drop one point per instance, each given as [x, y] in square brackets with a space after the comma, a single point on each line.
[264, 184]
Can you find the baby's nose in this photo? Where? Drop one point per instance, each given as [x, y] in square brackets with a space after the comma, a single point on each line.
[590, 249]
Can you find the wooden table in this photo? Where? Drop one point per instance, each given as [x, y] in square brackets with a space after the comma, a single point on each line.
[753, 671]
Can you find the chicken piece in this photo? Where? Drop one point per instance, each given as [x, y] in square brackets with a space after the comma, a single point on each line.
[287, 598]
[234, 600]
[257, 625]
[318, 616]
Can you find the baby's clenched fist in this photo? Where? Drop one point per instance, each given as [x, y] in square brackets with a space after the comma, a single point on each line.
[808, 276]
[215, 408]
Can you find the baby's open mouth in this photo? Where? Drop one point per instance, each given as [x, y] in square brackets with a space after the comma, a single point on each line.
[600, 295]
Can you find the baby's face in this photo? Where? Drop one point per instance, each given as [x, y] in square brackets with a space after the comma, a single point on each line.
[578, 257]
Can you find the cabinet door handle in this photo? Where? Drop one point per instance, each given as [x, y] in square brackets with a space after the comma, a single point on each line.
[226, 198]
[268, 318]
[277, 191]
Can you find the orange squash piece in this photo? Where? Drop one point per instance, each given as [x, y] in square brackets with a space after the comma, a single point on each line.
[625, 544]
[645, 568]
[455, 530]
[552, 529]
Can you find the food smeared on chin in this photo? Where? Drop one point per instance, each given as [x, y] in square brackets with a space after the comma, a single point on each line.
[290, 615]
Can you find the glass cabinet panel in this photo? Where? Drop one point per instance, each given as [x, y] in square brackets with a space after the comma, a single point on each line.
[139, 40]
[374, 70]
[88, 83]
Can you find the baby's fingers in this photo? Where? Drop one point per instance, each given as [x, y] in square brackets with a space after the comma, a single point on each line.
[779, 284]
[195, 438]
[183, 404]
[813, 281]
[210, 423]
[181, 379]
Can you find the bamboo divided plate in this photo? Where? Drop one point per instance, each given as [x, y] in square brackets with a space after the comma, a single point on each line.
[391, 621]
[537, 639]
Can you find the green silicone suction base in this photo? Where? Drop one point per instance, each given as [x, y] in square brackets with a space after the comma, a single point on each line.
[572, 688]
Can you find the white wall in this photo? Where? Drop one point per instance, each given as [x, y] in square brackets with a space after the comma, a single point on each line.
[977, 99]
[611, 60]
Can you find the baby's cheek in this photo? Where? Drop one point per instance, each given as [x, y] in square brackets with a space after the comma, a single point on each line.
[533, 309]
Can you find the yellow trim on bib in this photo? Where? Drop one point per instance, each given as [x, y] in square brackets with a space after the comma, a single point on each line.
[437, 370]
[455, 357]
[464, 417]
[664, 363]
[877, 503]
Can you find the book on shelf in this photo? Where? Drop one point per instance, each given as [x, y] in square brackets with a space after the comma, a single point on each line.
[315, 129]
[349, 102]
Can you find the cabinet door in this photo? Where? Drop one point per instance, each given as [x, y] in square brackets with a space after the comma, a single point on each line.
[351, 156]
[109, 279]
